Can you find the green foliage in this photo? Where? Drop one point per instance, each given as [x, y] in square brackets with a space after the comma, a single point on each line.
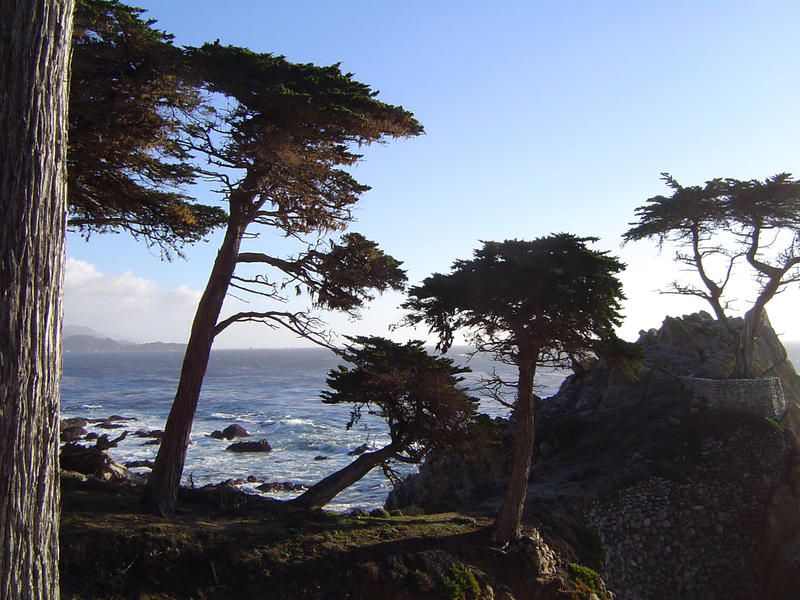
[587, 582]
[773, 423]
[129, 97]
[418, 395]
[460, 584]
[546, 300]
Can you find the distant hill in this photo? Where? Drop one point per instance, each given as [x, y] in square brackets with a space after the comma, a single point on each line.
[93, 343]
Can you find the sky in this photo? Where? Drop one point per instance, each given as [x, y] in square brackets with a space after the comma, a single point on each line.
[540, 117]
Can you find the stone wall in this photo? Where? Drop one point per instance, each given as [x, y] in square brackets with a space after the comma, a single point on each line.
[696, 536]
[762, 397]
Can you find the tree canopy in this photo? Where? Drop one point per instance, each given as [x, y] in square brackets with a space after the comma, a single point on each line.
[547, 299]
[417, 394]
[718, 225]
[542, 302]
[128, 164]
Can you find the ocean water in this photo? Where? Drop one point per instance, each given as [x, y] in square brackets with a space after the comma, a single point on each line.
[274, 394]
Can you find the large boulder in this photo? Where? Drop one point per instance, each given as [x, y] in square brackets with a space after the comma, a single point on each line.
[230, 432]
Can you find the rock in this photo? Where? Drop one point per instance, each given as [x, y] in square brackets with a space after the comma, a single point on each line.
[358, 451]
[379, 513]
[72, 422]
[259, 446]
[230, 432]
[154, 442]
[112, 422]
[252, 479]
[234, 431]
[234, 482]
[72, 434]
[137, 464]
[153, 433]
[286, 486]
[320, 457]
[109, 425]
[91, 436]
[358, 512]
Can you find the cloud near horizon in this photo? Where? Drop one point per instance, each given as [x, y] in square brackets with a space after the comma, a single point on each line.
[125, 305]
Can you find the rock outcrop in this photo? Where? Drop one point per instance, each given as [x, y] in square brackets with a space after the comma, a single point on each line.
[679, 492]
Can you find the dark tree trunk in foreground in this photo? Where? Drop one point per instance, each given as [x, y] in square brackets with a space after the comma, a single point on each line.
[326, 490]
[34, 69]
[509, 518]
[161, 494]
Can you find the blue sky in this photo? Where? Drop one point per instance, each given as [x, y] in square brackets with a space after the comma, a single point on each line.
[540, 117]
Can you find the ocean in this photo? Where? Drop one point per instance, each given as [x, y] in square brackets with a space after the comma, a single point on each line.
[274, 394]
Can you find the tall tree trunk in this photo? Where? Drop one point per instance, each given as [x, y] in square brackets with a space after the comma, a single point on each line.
[161, 493]
[35, 39]
[326, 490]
[747, 342]
[509, 517]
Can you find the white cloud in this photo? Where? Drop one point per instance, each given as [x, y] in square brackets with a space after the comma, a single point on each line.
[125, 305]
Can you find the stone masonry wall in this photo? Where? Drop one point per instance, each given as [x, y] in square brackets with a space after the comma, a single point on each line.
[762, 397]
[694, 537]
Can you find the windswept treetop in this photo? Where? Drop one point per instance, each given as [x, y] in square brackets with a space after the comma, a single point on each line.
[288, 130]
[551, 295]
[418, 395]
[725, 221]
[130, 95]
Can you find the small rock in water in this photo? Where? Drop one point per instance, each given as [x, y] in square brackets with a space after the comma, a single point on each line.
[252, 479]
[259, 446]
[234, 431]
[109, 425]
[153, 433]
[230, 432]
[360, 450]
[320, 457]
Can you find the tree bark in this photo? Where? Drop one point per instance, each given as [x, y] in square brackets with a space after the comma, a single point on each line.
[506, 526]
[161, 493]
[326, 490]
[35, 38]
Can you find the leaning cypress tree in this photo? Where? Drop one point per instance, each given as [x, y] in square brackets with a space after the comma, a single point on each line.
[278, 150]
[530, 303]
[417, 394]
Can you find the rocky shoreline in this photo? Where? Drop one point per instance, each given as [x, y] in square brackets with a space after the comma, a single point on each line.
[642, 488]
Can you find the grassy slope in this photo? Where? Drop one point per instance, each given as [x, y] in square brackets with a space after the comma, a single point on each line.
[227, 545]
